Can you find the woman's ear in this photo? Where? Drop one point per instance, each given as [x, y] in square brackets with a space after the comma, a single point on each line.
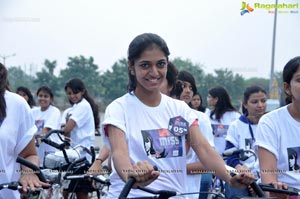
[245, 105]
[130, 68]
[287, 89]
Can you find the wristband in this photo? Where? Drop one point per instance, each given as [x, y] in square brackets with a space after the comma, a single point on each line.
[100, 160]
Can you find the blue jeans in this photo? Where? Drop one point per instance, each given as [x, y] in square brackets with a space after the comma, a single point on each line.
[206, 181]
[233, 193]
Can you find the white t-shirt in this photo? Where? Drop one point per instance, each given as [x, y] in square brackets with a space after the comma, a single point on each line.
[49, 118]
[84, 131]
[278, 132]
[220, 128]
[194, 180]
[148, 137]
[240, 136]
[16, 131]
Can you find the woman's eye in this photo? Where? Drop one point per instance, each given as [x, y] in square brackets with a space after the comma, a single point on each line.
[161, 64]
[144, 65]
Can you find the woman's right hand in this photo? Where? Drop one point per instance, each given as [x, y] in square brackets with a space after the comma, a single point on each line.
[96, 168]
[278, 185]
[144, 174]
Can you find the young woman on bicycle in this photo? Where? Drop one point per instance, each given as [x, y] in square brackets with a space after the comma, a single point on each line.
[278, 132]
[82, 120]
[46, 117]
[16, 132]
[144, 128]
[242, 133]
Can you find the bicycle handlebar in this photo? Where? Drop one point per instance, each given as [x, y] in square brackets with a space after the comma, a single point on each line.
[257, 189]
[47, 140]
[125, 191]
[86, 176]
[162, 194]
[65, 143]
[15, 186]
[288, 191]
[34, 168]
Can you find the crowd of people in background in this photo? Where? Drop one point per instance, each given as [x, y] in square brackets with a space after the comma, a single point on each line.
[161, 121]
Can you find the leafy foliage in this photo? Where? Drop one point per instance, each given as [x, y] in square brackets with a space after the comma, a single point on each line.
[84, 69]
[114, 83]
[47, 77]
[111, 84]
[17, 77]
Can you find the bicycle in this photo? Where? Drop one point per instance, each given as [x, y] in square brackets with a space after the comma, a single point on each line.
[101, 180]
[165, 194]
[218, 186]
[67, 161]
[54, 192]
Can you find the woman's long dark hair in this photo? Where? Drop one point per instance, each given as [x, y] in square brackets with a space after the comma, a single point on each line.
[201, 108]
[223, 104]
[3, 87]
[287, 75]
[248, 92]
[76, 85]
[137, 46]
[25, 90]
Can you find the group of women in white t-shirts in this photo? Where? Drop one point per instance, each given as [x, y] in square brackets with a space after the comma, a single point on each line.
[78, 122]
[135, 124]
[272, 136]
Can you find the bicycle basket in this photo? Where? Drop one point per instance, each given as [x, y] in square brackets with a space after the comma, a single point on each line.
[57, 159]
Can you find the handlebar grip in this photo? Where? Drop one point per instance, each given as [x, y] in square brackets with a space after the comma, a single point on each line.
[254, 185]
[257, 189]
[130, 182]
[54, 144]
[288, 191]
[14, 186]
[34, 168]
[101, 179]
[127, 187]
[54, 131]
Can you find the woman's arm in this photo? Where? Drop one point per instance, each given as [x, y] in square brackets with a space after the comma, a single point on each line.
[143, 172]
[28, 177]
[69, 127]
[268, 167]
[213, 161]
[195, 168]
[96, 167]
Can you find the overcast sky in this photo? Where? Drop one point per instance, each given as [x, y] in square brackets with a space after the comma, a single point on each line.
[209, 32]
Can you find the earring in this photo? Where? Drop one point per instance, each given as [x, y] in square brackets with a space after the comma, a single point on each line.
[131, 72]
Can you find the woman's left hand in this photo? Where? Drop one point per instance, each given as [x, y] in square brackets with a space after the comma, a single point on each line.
[31, 180]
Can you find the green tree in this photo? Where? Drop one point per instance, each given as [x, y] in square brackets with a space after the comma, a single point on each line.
[47, 77]
[17, 77]
[114, 82]
[262, 82]
[195, 69]
[234, 84]
[84, 69]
